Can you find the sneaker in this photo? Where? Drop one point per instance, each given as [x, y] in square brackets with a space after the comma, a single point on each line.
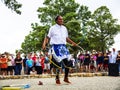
[67, 81]
[58, 82]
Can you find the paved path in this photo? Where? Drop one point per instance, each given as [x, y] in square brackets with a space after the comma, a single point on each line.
[78, 83]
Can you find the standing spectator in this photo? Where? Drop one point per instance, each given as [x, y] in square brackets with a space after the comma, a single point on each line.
[24, 64]
[106, 61]
[3, 64]
[0, 64]
[34, 59]
[18, 64]
[46, 63]
[87, 61]
[72, 62]
[29, 64]
[100, 59]
[42, 59]
[10, 64]
[113, 56]
[38, 66]
[93, 64]
[81, 61]
[118, 60]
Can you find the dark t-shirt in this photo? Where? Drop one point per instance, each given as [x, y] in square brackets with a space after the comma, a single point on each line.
[18, 61]
[106, 59]
[24, 62]
[100, 59]
[118, 59]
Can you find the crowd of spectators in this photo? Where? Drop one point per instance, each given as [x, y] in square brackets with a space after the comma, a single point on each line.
[26, 64]
[98, 61]
[39, 63]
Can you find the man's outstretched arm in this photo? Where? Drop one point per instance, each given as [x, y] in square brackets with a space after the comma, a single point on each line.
[46, 39]
[71, 42]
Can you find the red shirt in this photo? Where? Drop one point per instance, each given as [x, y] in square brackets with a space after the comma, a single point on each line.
[3, 63]
[34, 58]
[42, 62]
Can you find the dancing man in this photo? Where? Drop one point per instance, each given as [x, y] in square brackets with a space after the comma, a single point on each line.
[58, 36]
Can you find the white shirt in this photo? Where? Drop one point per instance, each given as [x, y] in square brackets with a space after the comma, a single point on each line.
[58, 34]
[112, 57]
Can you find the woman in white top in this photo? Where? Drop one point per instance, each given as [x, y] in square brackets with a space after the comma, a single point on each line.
[113, 56]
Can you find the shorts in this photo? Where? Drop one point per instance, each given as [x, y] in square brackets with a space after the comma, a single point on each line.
[3, 69]
[10, 68]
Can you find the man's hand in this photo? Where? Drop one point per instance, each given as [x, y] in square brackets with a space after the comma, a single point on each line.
[74, 44]
[71, 42]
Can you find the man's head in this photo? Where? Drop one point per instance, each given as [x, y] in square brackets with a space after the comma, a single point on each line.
[119, 51]
[113, 49]
[59, 20]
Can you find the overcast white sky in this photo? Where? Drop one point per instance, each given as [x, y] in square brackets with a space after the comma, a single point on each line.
[14, 28]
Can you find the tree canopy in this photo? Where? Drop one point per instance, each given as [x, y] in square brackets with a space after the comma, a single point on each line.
[13, 5]
[92, 30]
[103, 28]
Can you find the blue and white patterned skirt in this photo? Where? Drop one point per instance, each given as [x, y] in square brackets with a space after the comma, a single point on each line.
[60, 52]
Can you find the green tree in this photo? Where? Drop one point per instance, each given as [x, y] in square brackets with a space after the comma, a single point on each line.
[103, 28]
[46, 14]
[73, 15]
[34, 40]
[52, 8]
[84, 16]
[93, 31]
[13, 5]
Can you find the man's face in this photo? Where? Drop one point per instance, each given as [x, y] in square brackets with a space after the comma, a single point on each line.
[114, 49]
[60, 20]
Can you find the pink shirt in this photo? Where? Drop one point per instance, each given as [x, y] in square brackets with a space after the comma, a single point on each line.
[93, 57]
[81, 57]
